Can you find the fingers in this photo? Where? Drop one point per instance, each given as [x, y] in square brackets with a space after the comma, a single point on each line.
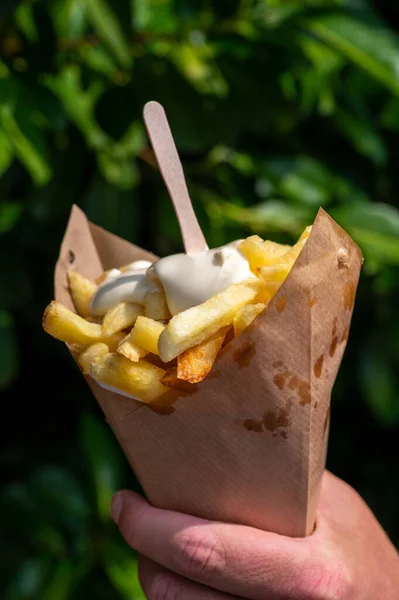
[231, 558]
[160, 584]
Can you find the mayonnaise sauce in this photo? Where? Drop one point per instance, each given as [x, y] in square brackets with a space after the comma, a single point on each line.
[187, 280]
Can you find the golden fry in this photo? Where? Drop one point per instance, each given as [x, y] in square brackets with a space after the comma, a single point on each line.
[120, 317]
[129, 349]
[82, 290]
[198, 323]
[260, 253]
[140, 380]
[63, 324]
[145, 334]
[91, 355]
[245, 316]
[194, 364]
[156, 306]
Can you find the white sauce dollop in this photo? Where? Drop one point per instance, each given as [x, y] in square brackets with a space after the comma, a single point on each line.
[187, 280]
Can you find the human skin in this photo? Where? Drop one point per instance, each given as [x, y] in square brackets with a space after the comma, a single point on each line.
[348, 556]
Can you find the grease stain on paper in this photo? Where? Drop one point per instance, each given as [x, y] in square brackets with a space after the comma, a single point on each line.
[312, 301]
[318, 366]
[244, 353]
[253, 425]
[281, 304]
[301, 385]
[349, 295]
[334, 329]
[333, 347]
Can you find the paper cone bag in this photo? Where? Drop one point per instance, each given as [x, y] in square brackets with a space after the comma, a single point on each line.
[248, 444]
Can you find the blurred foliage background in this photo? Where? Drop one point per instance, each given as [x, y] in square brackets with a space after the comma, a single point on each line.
[277, 107]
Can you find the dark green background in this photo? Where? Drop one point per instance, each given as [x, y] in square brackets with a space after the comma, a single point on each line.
[277, 107]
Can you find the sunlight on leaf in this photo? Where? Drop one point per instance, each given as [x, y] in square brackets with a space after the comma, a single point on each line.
[108, 29]
[120, 564]
[370, 47]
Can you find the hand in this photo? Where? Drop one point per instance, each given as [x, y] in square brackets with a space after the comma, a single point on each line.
[348, 557]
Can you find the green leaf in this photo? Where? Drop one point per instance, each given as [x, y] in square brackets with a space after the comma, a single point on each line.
[28, 581]
[363, 136]
[79, 103]
[58, 492]
[120, 565]
[374, 226]
[25, 148]
[369, 46]
[270, 216]
[109, 30]
[69, 18]
[9, 360]
[378, 378]
[60, 583]
[25, 21]
[121, 172]
[6, 153]
[104, 460]
[10, 213]
[302, 179]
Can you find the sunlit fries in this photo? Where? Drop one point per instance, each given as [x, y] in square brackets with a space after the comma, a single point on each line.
[260, 253]
[142, 351]
[246, 315]
[92, 355]
[129, 349]
[63, 324]
[146, 333]
[121, 316]
[156, 306]
[139, 380]
[82, 289]
[198, 323]
[194, 364]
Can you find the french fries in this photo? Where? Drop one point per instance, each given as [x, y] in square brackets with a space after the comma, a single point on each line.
[260, 253]
[91, 355]
[82, 289]
[129, 349]
[145, 334]
[196, 324]
[140, 380]
[163, 352]
[63, 324]
[245, 316]
[156, 306]
[120, 317]
[194, 364]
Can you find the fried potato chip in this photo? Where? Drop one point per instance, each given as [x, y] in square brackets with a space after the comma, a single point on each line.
[155, 306]
[194, 364]
[82, 289]
[120, 317]
[129, 349]
[198, 323]
[63, 324]
[145, 334]
[91, 355]
[245, 316]
[260, 253]
[141, 380]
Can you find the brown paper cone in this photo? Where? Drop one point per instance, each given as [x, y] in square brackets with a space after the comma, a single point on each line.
[249, 444]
